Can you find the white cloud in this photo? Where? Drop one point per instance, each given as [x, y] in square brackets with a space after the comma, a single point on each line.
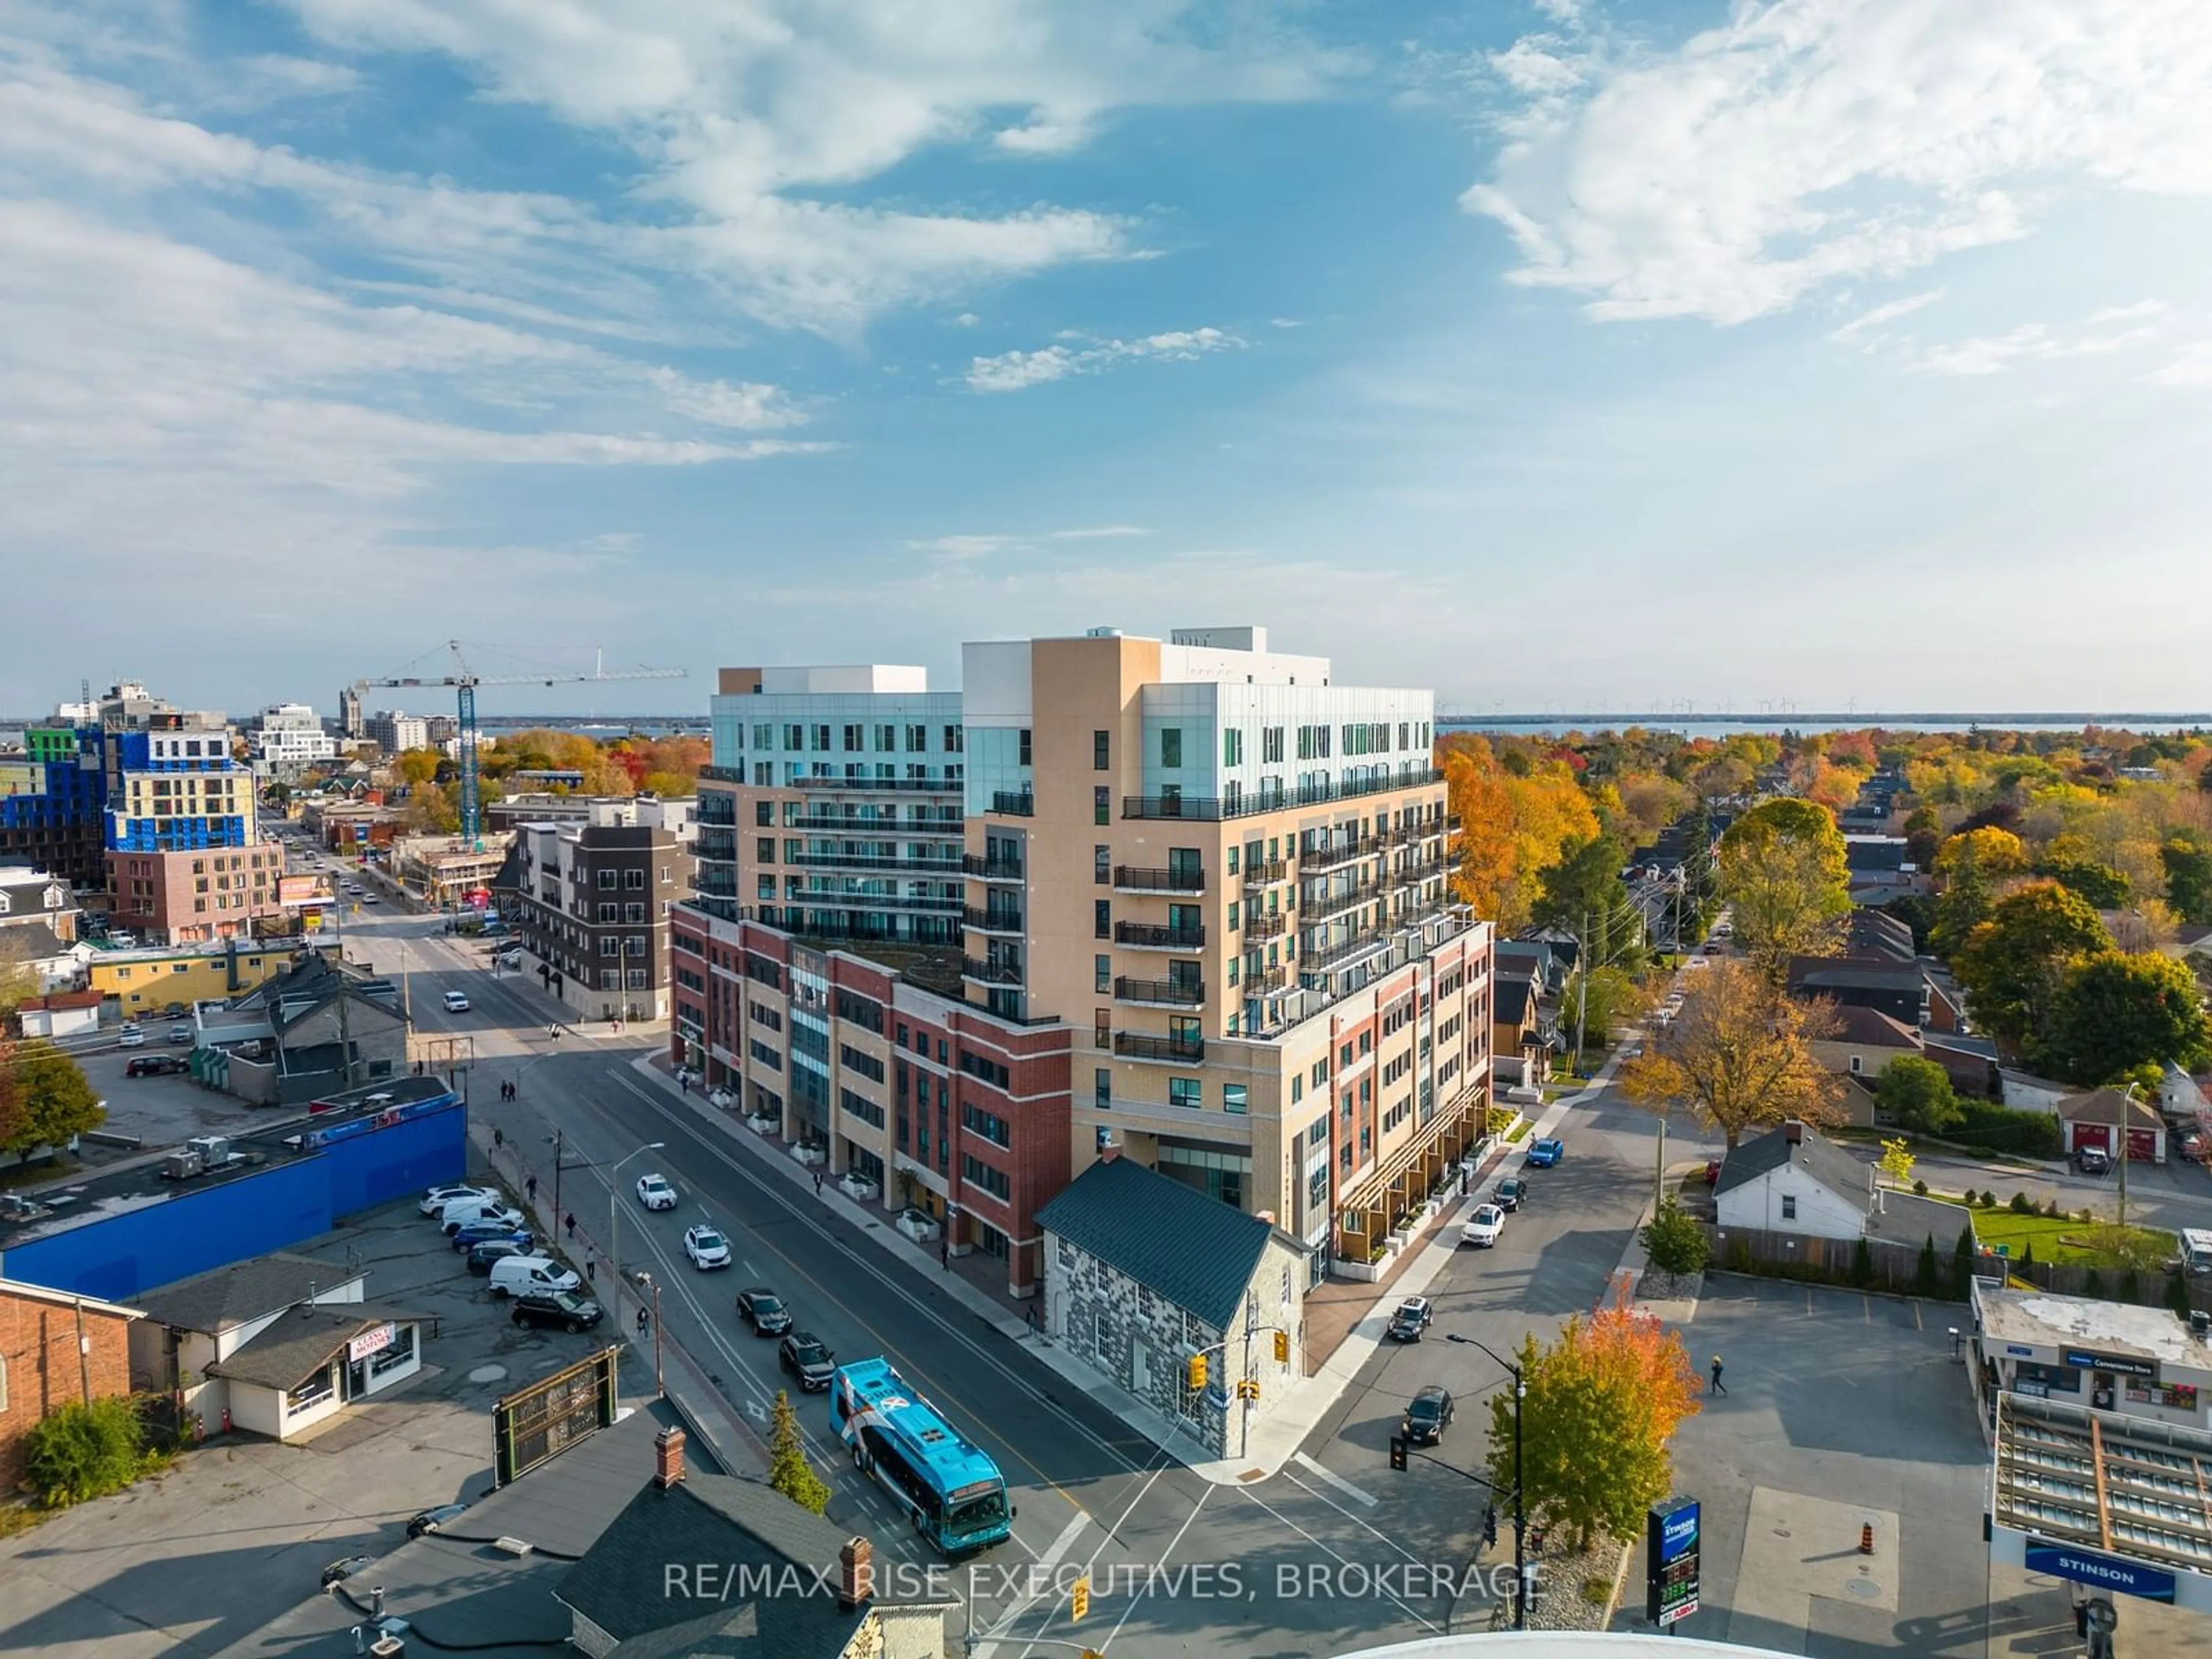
[1867, 322]
[971, 547]
[2035, 342]
[1100, 533]
[1017, 371]
[2142, 310]
[1810, 142]
[1538, 65]
[966, 319]
[2191, 367]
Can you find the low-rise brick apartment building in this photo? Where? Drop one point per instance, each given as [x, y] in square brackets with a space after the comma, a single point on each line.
[56, 1350]
[592, 899]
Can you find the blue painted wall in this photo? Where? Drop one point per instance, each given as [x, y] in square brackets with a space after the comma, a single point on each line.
[275, 1208]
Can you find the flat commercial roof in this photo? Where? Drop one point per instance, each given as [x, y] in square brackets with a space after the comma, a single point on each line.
[2040, 1317]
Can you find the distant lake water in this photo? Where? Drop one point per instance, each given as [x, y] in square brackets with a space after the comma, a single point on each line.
[1535, 725]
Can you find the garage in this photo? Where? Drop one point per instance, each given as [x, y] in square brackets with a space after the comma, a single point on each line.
[2094, 1119]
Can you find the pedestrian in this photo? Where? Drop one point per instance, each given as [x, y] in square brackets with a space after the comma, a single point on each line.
[1029, 1316]
[572, 1226]
[530, 1187]
[1719, 1386]
[684, 1078]
[591, 1267]
[498, 1139]
[644, 1319]
[818, 1184]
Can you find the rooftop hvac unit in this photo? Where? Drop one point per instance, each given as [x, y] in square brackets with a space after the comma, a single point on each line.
[512, 1546]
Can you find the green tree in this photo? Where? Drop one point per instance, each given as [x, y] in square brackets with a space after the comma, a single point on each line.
[1676, 1244]
[1897, 1161]
[1917, 1093]
[1602, 1403]
[1861, 1263]
[2014, 964]
[2103, 886]
[1782, 873]
[80, 1452]
[1927, 1280]
[2187, 856]
[1613, 999]
[1584, 892]
[2177, 1293]
[1738, 1055]
[1963, 905]
[2116, 1013]
[788, 1471]
[52, 1100]
[1962, 1264]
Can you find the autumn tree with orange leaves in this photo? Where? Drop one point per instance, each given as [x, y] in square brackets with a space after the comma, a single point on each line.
[1514, 824]
[1602, 1404]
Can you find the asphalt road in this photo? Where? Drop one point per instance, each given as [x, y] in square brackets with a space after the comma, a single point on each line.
[1335, 1550]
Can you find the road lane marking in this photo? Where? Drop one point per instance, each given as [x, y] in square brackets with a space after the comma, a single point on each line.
[1051, 1557]
[1341, 1560]
[1164, 1554]
[1355, 1493]
[1357, 1520]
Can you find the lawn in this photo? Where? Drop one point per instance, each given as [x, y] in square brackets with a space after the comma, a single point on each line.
[2050, 1235]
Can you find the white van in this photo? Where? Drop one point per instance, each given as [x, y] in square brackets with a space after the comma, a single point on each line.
[2196, 1249]
[515, 1275]
[469, 1207]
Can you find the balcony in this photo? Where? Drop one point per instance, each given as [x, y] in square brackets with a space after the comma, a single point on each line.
[1333, 904]
[1013, 803]
[1328, 858]
[1265, 981]
[943, 869]
[1174, 1051]
[1160, 993]
[1350, 952]
[721, 775]
[879, 786]
[950, 827]
[1263, 924]
[1130, 879]
[990, 869]
[1420, 872]
[1271, 870]
[990, 973]
[1144, 936]
[1209, 808]
[1008, 922]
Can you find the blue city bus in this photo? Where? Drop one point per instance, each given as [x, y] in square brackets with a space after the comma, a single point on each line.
[949, 1486]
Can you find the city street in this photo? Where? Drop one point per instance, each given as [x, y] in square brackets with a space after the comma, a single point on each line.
[1335, 1548]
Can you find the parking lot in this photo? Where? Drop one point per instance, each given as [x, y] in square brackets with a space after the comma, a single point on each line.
[241, 1529]
[161, 1111]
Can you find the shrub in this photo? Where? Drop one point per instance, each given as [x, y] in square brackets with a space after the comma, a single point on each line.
[1998, 1128]
[2027, 1254]
[1739, 1255]
[2022, 1204]
[2051, 1208]
[1990, 1200]
[1924, 1279]
[2177, 1293]
[2094, 1285]
[1676, 1243]
[1920, 1188]
[1962, 1264]
[2131, 1286]
[84, 1451]
[1862, 1264]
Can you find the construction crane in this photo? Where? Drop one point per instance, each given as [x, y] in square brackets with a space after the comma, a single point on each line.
[464, 681]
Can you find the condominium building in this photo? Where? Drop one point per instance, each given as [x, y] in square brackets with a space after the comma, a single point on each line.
[1206, 921]
[595, 904]
[53, 801]
[184, 859]
[287, 739]
[832, 809]
[395, 732]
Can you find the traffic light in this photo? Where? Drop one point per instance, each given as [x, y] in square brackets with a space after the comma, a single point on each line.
[1490, 1524]
[1078, 1600]
[1282, 1347]
[1398, 1453]
[1197, 1370]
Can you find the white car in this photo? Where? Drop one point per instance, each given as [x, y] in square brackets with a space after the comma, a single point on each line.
[457, 1002]
[1483, 1227]
[437, 1198]
[707, 1248]
[654, 1192]
[917, 1225]
[131, 1036]
[494, 1214]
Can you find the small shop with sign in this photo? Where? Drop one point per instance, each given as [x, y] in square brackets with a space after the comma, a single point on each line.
[2106, 1356]
[315, 1362]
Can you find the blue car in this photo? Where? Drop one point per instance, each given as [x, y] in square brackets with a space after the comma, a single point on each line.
[1546, 1152]
[485, 1232]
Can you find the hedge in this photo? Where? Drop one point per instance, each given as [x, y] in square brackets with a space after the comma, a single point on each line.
[2001, 1129]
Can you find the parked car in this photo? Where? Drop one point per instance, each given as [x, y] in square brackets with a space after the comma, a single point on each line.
[431, 1519]
[1512, 1193]
[154, 1066]
[528, 1275]
[1428, 1415]
[1483, 1227]
[467, 1212]
[176, 1011]
[488, 1251]
[2189, 1147]
[131, 1036]
[437, 1198]
[565, 1310]
[763, 1310]
[2093, 1160]
[486, 1232]
[1546, 1152]
[339, 1571]
[1410, 1319]
[806, 1358]
[706, 1248]
[457, 1002]
[654, 1192]
[917, 1225]
[181, 1032]
[1712, 1172]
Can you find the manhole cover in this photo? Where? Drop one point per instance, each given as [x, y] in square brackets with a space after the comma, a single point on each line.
[486, 1373]
[1865, 1586]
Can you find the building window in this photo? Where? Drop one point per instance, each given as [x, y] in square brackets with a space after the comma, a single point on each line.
[638, 979]
[607, 880]
[1789, 1206]
[763, 814]
[1232, 747]
[1171, 746]
[1101, 919]
[853, 744]
[1101, 748]
[1102, 970]
[1271, 745]
[976, 1173]
[886, 739]
[764, 849]
[1101, 1084]
[1024, 759]
[1101, 865]
[991, 1126]
[1233, 1097]
[1185, 1091]
[634, 881]
[1102, 805]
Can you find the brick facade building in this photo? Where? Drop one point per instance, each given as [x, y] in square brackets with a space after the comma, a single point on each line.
[40, 1367]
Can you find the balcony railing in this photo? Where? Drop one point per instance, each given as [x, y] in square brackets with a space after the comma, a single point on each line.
[1259, 874]
[1332, 904]
[1328, 858]
[1420, 872]
[1164, 992]
[1146, 937]
[1262, 924]
[1136, 1045]
[721, 775]
[1133, 879]
[876, 826]
[991, 973]
[1210, 808]
[1267, 980]
[946, 869]
[1013, 803]
[879, 786]
[994, 922]
[1371, 943]
[992, 869]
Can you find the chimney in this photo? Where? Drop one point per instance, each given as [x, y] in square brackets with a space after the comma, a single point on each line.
[667, 1458]
[856, 1573]
[1795, 1132]
[1109, 1153]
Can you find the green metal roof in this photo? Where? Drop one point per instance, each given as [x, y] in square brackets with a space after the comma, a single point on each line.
[1193, 1250]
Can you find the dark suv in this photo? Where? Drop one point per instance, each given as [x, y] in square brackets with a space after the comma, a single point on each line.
[805, 1358]
[565, 1310]
[154, 1066]
[763, 1310]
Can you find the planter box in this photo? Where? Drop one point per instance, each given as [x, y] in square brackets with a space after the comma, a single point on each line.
[764, 1125]
[1367, 1272]
[860, 1187]
[807, 1155]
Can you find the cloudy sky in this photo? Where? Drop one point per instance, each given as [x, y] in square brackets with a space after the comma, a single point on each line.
[1562, 354]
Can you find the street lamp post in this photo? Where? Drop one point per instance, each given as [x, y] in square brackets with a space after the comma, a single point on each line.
[614, 1191]
[1520, 1511]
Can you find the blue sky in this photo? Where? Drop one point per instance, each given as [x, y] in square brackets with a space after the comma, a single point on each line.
[1556, 354]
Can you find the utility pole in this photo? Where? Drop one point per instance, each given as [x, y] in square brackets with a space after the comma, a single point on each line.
[1659, 1174]
[2127, 1103]
[83, 1353]
[1582, 998]
[1520, 1502]
[557, 1161]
